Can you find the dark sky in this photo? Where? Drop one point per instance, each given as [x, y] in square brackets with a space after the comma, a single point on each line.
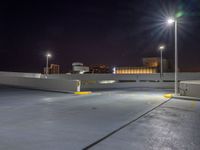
[113, 32]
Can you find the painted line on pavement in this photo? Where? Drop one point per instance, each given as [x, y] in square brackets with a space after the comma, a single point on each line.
[123, 126]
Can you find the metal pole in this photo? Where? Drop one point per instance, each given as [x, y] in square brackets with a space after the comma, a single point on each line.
[47, 66]
[176, 60]
[161, 63]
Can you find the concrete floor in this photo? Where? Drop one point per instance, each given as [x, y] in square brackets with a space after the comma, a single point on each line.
[173, 126]
[31, 119]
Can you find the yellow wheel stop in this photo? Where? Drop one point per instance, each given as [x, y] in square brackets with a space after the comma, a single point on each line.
[168, 95]
[83, 92]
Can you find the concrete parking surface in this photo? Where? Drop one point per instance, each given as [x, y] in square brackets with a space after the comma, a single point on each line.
[115, 119]
[173, 126]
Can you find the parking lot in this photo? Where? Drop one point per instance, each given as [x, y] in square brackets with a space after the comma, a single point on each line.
[113, 119]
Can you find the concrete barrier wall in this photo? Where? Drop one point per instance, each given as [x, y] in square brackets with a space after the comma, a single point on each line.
[136, 77]
[92, 81]
[63, 82]
[20, 74]
[42, 84]
[117, 77]
[96, 86]
[190, 88]
[189, 76]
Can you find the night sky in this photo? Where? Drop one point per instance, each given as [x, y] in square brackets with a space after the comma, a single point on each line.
[112, 32]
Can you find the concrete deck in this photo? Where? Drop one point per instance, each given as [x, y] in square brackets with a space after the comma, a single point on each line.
[173, 126]
[142, 119]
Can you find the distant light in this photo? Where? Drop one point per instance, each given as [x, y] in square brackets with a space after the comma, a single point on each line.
[107, 81]
[170, 21]
[81, 72]
[162, 47]
[48, 55]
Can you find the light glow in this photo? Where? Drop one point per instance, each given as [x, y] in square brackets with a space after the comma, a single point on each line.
[170, 21]
[48, 55]
[107, 81]
[162, 47]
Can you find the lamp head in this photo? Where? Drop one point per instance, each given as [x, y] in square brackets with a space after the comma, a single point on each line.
[48, 55]
[170, 21]
[162, 47]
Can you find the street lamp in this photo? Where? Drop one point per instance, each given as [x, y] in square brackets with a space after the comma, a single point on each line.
[170, 20]
[173, 21]
[161, 48]
[48, 55]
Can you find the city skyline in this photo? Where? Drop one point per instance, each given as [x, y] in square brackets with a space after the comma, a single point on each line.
[116, 33]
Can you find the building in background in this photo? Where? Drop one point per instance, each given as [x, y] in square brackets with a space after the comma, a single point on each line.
[79, 68]
[135, 70]
[99, 68]
[155, 62]
[53, 69]
[150, 65]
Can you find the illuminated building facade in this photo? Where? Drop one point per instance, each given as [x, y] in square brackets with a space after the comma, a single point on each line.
[135, 70]
[150, 65]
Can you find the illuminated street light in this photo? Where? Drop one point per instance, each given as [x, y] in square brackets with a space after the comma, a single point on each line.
[48, 55]
[161, 48]
[171, 21]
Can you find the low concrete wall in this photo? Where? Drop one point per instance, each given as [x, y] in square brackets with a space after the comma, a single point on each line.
[20, 74]
[190, 88]
[65, 82]
[125, 77]
[92, 81]
[96, 86]
[42, 84]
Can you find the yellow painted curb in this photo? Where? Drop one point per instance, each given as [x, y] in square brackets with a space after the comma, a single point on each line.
[83, 93]
[168, 95]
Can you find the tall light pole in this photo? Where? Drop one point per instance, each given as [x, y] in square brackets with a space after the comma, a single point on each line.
[114, 70]
[171, 21]
[48, 55]
[161, 48]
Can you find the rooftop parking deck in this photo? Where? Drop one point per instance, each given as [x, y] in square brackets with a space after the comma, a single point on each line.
[114, 119]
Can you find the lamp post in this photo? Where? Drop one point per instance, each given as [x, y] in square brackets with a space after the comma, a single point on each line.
[171, 21]
[161, 48]
[48, 55]
[114, 70]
